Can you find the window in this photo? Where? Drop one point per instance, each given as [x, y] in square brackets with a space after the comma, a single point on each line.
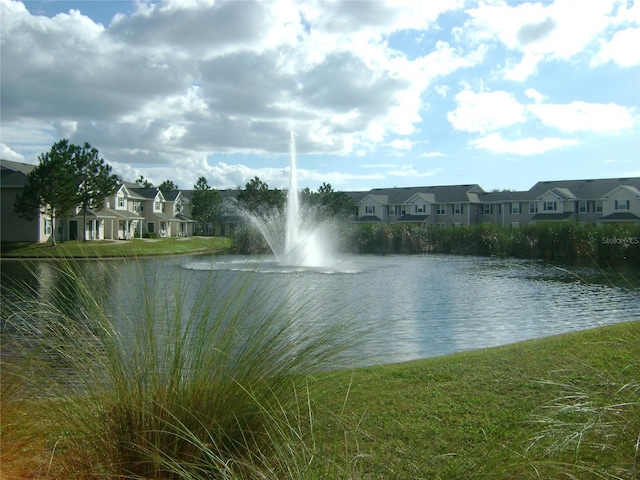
[440, 225]
[421, 208]
[486, 209]
[621, 205]
[515, 224]
[457, 209]
[393, 209]
[370, 209]
[515, 208]
[549, 206]
[582, 206]
[440, 210]
[121, 201]
[157, 206]
[599, 206]
[47, 227]
[533, 207]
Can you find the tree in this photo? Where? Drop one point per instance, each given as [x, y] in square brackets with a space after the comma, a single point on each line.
[168, 186]
[205, 202]
[143, 182]
[332, 203]
[257, 196]
[94, 179]
[51, 187]
[67, 176]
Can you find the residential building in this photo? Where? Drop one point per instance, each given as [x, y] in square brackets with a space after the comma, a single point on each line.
[13, 179]
[134, 211]
[585, 201]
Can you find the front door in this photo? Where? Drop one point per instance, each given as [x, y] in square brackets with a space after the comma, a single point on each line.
[73, 230]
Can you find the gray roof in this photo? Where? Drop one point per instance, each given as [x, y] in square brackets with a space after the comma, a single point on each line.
[442, 194]
[584, 189]
[504, 196]
[544, 217]
[412, 218]
[148, 193]
[171, 195]
[620, 216]
[369, 218]
[14, 174]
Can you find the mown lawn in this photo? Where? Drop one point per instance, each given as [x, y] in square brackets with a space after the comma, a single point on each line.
[548, 408]
[561, 407]
[116, 248]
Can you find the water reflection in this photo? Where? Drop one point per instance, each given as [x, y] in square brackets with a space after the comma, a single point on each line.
[397, 307]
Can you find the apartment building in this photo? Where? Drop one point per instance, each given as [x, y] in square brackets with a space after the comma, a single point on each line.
[585, 201]
[134, 211]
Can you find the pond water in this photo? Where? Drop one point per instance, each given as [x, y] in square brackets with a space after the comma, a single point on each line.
[403, 307]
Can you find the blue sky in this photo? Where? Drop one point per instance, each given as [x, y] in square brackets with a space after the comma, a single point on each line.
[378, 94]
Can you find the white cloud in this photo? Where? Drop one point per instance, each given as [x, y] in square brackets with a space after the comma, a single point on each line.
[544, 31]
[621, 49]
[534, 95]
[524, 146]
[581, 116]
[401, 144]
[7, 154]
[485, 111]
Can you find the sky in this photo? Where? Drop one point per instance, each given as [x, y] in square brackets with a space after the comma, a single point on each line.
[377, 94]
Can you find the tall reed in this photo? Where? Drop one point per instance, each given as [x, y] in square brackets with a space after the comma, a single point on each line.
[177, 382]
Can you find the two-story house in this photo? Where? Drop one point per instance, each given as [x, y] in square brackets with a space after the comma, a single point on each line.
[125, 209]
[175, 205]
[584, 201]
[13, 179]
[441, 206]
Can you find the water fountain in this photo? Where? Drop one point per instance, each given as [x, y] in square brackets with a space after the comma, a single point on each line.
[294, 236]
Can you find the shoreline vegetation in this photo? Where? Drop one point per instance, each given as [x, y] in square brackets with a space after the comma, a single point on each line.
[606, 244]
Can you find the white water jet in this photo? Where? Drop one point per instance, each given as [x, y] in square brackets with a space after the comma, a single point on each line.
[295, 238]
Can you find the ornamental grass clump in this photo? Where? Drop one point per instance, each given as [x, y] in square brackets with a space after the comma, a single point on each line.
[175, 383]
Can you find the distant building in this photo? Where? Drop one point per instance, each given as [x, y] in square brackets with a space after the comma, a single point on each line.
[583, 201]
[134, 211]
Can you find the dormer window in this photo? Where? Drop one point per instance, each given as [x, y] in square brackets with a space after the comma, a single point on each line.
[370, 209]
[549, 206]
[157, 206]
[121, 201]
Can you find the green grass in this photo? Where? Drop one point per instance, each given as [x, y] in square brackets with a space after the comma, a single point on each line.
[548, 408]
[184, 387]
[109, 248]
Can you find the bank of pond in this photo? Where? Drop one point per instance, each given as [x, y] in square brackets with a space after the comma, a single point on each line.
[611, 242]
[560, 407]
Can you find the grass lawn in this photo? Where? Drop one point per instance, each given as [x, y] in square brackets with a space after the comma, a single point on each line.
[548, 408]
[567, 406]
[116, 248]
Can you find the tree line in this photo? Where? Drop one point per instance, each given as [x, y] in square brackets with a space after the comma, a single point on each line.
[71, 176]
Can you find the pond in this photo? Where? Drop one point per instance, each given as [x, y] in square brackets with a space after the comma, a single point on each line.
[402, 307]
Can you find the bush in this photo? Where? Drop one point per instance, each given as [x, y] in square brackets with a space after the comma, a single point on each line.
[548, 240]
[178, 383]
